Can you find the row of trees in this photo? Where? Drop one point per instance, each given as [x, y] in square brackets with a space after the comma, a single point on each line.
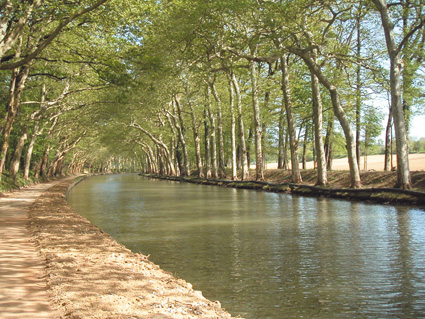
[209, 87]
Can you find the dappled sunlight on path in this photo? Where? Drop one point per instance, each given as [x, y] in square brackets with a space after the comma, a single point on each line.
[22, 286]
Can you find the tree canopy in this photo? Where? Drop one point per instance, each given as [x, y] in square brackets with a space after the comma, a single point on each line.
[206, 87]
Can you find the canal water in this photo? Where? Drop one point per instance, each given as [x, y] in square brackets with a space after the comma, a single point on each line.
[267, 255]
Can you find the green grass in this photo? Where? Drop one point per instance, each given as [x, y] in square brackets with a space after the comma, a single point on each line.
[7, 183]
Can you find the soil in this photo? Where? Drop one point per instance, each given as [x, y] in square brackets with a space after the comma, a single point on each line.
[378, 187]
[341, 179]
[90, 275]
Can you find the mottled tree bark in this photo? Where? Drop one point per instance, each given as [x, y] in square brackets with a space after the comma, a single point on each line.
[160, 144]
[328, 142]
[242, 142]
[322, 178]
[388, 137]
[281, 155]
[213, 137]
[233, 129]
[221, 154]
[207, 152]
[16, 161]
[17, 85]
[259, 171]
[197, 141]
[304, 156]
[396, 65]
[293, 143]
[339, 112]
[180, 129]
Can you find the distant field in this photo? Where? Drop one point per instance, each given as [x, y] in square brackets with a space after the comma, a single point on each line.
[374, 162]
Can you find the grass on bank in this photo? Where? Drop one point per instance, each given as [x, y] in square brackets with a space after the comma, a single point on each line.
[7, 184]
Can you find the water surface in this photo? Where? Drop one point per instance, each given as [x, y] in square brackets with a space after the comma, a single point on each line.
[267, 255]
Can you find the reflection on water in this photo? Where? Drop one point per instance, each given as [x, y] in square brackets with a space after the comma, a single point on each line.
[266, 255]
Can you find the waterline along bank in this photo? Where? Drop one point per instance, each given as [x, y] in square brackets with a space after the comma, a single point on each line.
[384, 195]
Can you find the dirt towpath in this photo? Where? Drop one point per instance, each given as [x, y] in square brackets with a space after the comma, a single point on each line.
[22, 287]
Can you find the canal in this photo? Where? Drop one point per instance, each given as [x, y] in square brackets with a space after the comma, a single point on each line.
[268, 255]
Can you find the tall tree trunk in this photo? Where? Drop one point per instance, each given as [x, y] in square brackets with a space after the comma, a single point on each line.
[160, 159]
[412, 62]
[365, 148]
[150, 156]
[329, 141]
[402, 145]
[388, 154]
[37, 169]
[42, 170]
[339, 112]
[322, 175]
[358, 86]
[181, 129]
[259, 171]
[213, 137]
[207, 142]
[36, 129]
[264, 144]
[233, 129]
[175, 153]
[242, 142]
[30, 149]
[248, 146]
[221, 157]
[293, 143]
[16, 161]
[44, 161]
[285, 152]
[314, 151]
[280, 160]
[197, 141]
[60, 165]
[174, 146]
[396, 64]
[304, 156]
[264, 129]
[159, 143]
[17, 85]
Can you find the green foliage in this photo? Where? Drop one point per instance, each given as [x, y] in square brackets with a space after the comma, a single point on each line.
[128, 60]
[7, 184]
[418, 146]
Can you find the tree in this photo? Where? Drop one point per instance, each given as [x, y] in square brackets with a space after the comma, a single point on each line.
[26, 30]
[293, 142]
[32, 13]
[394, 49]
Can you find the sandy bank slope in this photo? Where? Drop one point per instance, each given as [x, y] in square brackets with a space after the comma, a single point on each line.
[91, 276]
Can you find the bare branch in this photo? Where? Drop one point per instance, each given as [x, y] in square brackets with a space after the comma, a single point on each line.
[409, 35]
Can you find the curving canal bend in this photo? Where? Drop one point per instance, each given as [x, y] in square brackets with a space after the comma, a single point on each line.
[267, 255]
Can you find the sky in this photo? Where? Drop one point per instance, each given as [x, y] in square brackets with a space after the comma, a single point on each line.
[417, 129]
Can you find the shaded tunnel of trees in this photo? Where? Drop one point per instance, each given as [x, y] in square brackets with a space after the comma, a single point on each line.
[207, 87]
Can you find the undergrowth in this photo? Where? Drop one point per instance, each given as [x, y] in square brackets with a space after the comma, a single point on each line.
[7, 183]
